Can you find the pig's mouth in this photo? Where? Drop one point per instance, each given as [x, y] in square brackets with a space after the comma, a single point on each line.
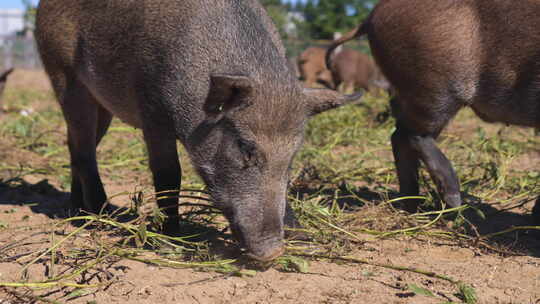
[265, 249]
[269, 257]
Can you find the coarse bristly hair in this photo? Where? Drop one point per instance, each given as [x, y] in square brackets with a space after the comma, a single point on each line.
[441, 56]
[212, 74]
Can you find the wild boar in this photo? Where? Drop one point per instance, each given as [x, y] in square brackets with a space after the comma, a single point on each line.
[311, 66]
[354, 70]
[209, 73]
[441, 56]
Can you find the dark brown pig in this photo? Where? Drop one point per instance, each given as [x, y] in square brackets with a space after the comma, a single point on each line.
[325, 78]
[312, 67]
[210, 73]
[444, 55]
[3, 79]
[354, 70]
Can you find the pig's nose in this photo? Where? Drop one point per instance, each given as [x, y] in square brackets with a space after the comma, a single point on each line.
[270, 255]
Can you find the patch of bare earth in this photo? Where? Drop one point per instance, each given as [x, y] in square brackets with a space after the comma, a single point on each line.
[28, 79]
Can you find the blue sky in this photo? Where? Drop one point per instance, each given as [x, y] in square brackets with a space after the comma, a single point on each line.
[13, 3]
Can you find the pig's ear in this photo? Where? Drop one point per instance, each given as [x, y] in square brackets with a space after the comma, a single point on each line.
[321, 100]
[227, 93]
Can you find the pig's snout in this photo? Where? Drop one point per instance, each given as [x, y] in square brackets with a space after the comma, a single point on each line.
[269, 256]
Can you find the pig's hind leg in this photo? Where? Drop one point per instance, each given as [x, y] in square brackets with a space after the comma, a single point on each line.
[419, 123]
[87, 122]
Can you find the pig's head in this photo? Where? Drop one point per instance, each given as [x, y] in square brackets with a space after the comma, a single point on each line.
[244, 150]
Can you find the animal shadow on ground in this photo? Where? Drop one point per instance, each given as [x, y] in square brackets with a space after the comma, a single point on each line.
[44, 198]
[483, 218]
[41, 197]
[346, 197]
[488, 219]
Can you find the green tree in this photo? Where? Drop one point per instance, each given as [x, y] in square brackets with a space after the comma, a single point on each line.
[325, 17]
[29, 15]
[271, 2]
[322, 17]
[278, 12]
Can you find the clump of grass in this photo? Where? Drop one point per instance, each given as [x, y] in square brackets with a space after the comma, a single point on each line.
[344, 192]
[95, 242]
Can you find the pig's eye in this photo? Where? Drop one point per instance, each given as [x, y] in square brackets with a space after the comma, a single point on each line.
[249, 153]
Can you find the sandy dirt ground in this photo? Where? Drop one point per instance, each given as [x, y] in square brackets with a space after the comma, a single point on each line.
[495, 277]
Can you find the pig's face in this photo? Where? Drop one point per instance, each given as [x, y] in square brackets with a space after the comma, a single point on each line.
[244, 152]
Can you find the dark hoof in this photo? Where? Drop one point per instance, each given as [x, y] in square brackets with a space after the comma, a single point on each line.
[107, 209]
[269, 257]
[536, 212]
[75, 204]
[453, 200]
[410, 207]
[171, 227]
[103, 209]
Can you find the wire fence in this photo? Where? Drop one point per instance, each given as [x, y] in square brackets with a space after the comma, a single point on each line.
[19, 52]
[17, 45]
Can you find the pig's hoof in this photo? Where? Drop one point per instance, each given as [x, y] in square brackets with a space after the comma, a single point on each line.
[102, 208]
[171, 228]
[536, 212]
[268, 258]
[107, 209]
[453, 200]
[409, 205]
